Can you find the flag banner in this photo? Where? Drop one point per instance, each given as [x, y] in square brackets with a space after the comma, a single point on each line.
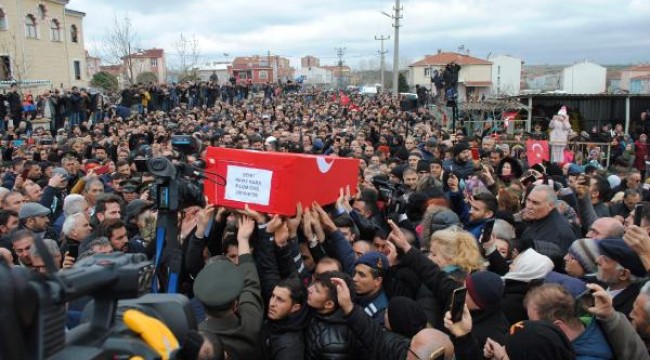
[537, 151]
[273, 182]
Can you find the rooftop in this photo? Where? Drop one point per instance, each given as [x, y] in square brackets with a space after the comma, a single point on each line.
[444, 58]
[642, 77]
[149, 53]
[642, 67]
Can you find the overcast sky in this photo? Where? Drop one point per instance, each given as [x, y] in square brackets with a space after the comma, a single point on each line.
[537, 31]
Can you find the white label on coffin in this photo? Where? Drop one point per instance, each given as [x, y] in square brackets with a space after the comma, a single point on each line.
[248, 185]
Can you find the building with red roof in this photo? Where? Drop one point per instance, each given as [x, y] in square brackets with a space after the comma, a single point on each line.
[474, 78]
[633, 72]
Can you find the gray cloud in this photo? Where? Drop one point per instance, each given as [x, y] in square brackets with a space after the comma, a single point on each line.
[538, 31]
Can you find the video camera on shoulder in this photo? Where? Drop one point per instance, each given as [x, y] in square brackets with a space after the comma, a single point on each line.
[34, 309]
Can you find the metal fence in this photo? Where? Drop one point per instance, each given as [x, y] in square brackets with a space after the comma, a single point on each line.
[579, 147]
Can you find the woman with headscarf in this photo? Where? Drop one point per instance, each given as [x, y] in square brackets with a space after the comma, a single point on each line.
[528, 269]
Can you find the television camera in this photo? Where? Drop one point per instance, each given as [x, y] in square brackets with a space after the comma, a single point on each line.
[391, 195]
[33, 309]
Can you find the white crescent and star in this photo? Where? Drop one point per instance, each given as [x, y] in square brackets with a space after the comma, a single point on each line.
[323, 165]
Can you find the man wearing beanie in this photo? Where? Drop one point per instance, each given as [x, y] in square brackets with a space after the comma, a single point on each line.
[620, 269]
[424, 168]
[461, 164]
[396, 174]
[484, 293]
[580, 260]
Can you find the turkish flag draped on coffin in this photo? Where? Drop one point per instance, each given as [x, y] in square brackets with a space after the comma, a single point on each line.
[273, 182]
[537, 151]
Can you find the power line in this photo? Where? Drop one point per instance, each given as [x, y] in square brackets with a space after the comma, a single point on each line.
[382, 53]
[340, 51]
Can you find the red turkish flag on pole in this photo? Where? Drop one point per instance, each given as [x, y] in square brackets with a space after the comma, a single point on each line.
[537, 151]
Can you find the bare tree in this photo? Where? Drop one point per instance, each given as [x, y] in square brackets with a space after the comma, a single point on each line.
[120, 45]
[189, 55]
[18, 67]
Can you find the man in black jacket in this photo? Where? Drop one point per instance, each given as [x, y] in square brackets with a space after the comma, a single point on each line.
[287, 312]
[327, 335]
[426, 344]
[15, 105]
[550, 231]
[282, 335]
[621, 269]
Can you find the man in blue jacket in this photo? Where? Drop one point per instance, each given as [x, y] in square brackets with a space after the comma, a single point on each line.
[475, 213]
[553, 303]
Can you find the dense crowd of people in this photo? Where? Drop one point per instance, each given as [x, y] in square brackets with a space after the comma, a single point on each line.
[549, 258]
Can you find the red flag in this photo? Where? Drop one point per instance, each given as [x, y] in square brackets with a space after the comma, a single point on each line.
[274, 182]
[537, 151]
[345, 100]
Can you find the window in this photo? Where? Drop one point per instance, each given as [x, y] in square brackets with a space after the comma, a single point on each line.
[77, 70]
[264, 74]
[3, 20]
[5, 68]
[74, 34]
[55, 30]
[30, 26]
[242, 75]
[427, 72]
[153, 62]
[499, 69]
[42, 11]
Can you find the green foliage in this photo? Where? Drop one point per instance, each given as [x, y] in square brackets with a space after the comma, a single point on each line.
[146, 77]
[105, 81]
[402, 85]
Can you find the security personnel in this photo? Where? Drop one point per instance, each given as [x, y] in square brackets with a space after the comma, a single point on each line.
[222, 287]
[370, 270]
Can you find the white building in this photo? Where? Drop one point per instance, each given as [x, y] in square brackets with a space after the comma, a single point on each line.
[506, 75]
[204, 71]
[474, 78]
[315, 75]
[584, 78]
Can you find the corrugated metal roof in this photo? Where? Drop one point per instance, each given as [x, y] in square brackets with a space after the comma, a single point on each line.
[594, 96]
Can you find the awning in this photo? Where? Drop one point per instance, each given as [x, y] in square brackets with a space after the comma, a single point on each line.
[478, 83]
[24, 83]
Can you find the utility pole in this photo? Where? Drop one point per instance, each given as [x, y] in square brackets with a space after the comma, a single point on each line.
[268, 63]
[397, 16]
[340, 51]
[381, 54]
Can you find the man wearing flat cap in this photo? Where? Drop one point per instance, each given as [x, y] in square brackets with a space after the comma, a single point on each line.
[621, 270]
[232, 299]
[36, 218]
